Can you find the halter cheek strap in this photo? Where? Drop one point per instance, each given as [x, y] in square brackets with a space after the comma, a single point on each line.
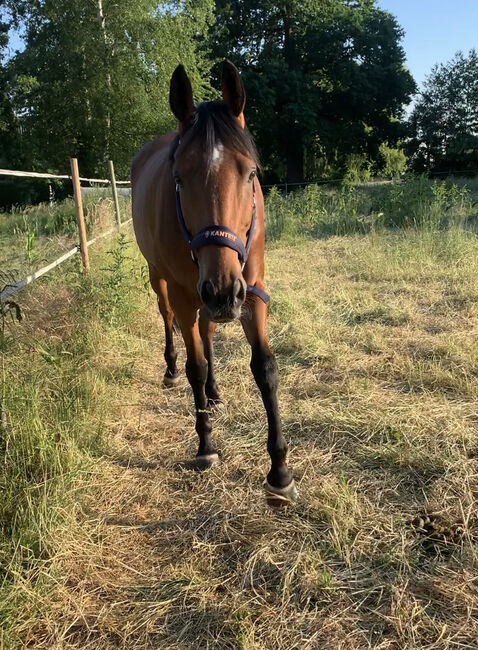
[221, 236]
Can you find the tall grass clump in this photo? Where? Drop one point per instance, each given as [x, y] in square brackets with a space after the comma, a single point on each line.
[418, 203]
[320, 211]
[56, 398]
[58, 218]
[313, 211]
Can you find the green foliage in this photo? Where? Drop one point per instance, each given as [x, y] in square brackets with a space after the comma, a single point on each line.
[445, 118]
[311, 70]
[358, 168]
[417, 202]
[394, 161]
[117, 281]
[54, 401]
[93, 79]
[30, 239]
[323, 211]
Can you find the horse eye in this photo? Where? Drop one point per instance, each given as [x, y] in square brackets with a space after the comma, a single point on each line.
[177, 180]
[252, 175]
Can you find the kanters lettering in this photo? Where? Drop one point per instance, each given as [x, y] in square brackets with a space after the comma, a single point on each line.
[220, 233]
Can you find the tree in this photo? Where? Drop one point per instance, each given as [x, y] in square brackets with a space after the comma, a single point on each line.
[7, 114]
[324, 80]
[444, 122]
[93, 78]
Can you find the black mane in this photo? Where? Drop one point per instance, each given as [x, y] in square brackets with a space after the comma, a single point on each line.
[212, 122]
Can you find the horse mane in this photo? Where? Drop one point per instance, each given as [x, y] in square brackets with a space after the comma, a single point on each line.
[213, 122]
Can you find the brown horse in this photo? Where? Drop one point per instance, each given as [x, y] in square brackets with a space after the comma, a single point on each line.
[198, 215]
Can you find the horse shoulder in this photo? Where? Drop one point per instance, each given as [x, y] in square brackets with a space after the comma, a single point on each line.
[149, 173]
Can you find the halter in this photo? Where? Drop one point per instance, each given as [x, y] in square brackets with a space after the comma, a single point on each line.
[221, 236]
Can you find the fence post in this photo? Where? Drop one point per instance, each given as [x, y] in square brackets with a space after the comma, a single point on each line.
[114, 191]
[75, 178]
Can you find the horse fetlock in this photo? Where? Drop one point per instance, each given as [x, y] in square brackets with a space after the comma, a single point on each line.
[212, 392]
[279, 476]
[171, 356]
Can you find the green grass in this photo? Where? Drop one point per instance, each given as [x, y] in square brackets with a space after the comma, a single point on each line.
[319, 211]
[106, 541]
[34, 236]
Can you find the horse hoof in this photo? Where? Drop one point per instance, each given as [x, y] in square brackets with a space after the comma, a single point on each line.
[202, 463]
[169, 381]
[281, 497]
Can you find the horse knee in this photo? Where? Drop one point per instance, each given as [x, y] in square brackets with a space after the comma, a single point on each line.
[265, 371]
[196, 372]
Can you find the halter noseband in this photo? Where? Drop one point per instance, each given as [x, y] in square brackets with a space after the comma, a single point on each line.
[221, 236]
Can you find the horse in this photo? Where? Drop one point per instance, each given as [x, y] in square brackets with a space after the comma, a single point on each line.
[198, 217]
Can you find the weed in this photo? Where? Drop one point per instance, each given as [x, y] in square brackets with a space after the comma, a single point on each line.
[116, 282]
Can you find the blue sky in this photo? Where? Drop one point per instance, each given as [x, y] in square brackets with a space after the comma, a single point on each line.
[434, 30]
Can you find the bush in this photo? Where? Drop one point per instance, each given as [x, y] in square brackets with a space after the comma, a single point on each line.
[394, 161]
[358, 169]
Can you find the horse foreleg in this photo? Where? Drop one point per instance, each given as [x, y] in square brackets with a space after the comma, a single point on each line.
[160, 287]
[197, 371]
[280, 487]
[207, 328]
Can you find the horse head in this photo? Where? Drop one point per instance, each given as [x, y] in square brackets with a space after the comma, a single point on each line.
[214, 164]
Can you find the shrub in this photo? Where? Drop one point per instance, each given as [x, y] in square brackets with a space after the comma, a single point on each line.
[394, 161]
[358, 169]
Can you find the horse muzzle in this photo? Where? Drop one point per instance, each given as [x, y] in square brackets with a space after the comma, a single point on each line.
[224, 303]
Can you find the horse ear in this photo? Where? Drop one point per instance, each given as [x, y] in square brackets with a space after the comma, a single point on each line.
[181, 95]
[233, 93]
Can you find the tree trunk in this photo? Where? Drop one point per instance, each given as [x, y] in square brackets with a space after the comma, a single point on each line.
[295, 159]
[101, 22]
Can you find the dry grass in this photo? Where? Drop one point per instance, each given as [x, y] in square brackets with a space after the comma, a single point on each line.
[378, 352]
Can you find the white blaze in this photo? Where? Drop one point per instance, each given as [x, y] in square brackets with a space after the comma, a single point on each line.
[217, 153]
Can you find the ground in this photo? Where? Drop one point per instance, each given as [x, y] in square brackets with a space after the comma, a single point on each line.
[378, 355]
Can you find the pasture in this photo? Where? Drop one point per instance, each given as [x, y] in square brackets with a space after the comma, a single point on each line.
[107, 542]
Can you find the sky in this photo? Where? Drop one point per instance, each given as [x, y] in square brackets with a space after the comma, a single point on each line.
[434, 30]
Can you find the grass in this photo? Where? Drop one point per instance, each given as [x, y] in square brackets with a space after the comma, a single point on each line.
[108, 542]
[321, 211]
[33, 236]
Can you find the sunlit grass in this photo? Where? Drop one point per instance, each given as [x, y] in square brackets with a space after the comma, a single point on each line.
[107, 541]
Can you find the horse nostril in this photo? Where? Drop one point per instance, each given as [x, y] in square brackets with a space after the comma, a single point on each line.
[207, 292]
[239, 291]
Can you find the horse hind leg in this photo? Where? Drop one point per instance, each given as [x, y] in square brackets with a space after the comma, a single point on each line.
[171, 376]
[206, 329]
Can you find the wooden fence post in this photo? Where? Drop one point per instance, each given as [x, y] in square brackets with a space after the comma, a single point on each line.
[114, 191]
[75, 178]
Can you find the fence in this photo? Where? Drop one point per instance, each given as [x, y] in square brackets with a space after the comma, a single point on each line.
[83, 245]
[321, 181]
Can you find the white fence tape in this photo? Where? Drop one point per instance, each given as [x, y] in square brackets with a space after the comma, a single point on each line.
[13, 288]
[14, 172]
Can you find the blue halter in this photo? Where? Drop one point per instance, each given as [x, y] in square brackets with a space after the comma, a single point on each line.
[221, 236]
